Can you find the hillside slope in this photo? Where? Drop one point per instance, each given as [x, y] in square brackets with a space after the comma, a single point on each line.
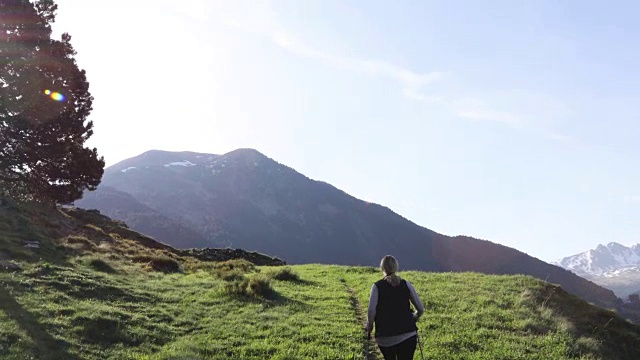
[122, 206]
[96, 290]
[246, 200]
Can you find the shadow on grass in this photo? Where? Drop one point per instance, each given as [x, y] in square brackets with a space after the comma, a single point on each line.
[277, 299]
[81, 285]
[28, 230]
[302, 282]
[46, 346]
[269, 300]
[286, 275]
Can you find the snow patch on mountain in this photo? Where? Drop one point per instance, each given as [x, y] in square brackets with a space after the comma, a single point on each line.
[127, 169]
[622, 272]
[180, 163]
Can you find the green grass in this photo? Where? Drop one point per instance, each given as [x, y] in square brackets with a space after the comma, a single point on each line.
[62, 312]
[76, 312]
[476, 316]
[96, 291]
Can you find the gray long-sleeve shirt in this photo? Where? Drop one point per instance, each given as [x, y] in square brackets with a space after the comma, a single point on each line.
[371, 315]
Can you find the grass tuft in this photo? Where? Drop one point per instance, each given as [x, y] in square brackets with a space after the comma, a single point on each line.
[101, 265]
[236, 287]
[285, 274]
[259, 286]
[236, 264]
[79, 243]
[158, 263]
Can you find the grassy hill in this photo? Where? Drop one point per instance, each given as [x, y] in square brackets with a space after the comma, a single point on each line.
[97, 290]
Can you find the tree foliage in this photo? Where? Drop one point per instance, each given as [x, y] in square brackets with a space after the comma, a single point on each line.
[44, 106]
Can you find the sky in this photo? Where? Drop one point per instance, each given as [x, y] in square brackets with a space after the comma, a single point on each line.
[514, 122]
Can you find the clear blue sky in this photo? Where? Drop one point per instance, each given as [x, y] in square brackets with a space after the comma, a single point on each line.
[514, 122]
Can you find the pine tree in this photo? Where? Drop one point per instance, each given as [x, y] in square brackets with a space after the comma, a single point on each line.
[44, 106]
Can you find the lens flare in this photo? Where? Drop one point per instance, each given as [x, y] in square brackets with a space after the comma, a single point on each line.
[57, 96]
[54, 95]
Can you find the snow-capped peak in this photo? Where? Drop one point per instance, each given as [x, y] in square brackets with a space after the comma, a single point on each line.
[603, 259]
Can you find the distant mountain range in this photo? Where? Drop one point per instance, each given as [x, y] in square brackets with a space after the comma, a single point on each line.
[246, 200]
[613, 266]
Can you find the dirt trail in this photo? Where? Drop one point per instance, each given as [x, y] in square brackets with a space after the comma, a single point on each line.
[371, 351]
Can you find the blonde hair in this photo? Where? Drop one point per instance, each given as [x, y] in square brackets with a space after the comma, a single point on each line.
[389, 266]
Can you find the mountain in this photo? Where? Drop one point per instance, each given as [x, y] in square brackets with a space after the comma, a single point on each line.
[613, 266]
[602, 260]
[244, 199]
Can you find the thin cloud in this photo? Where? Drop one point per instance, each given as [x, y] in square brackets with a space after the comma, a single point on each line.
[492, 115]
[416, 95]
[478, 110]
[260, 19]
[562, 138]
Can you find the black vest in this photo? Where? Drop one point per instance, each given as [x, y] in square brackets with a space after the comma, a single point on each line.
[393, 313]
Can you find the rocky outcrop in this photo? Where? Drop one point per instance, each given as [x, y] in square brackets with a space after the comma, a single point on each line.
[232, 254]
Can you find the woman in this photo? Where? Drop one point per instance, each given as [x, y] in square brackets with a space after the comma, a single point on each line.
[396, 330]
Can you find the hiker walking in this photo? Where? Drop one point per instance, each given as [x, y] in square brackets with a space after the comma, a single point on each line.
[396, 331]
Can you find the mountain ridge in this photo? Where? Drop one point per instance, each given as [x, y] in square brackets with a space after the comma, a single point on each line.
[614, 266]
[602, 259]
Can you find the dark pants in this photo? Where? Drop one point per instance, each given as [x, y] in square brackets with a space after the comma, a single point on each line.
[402, 351]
